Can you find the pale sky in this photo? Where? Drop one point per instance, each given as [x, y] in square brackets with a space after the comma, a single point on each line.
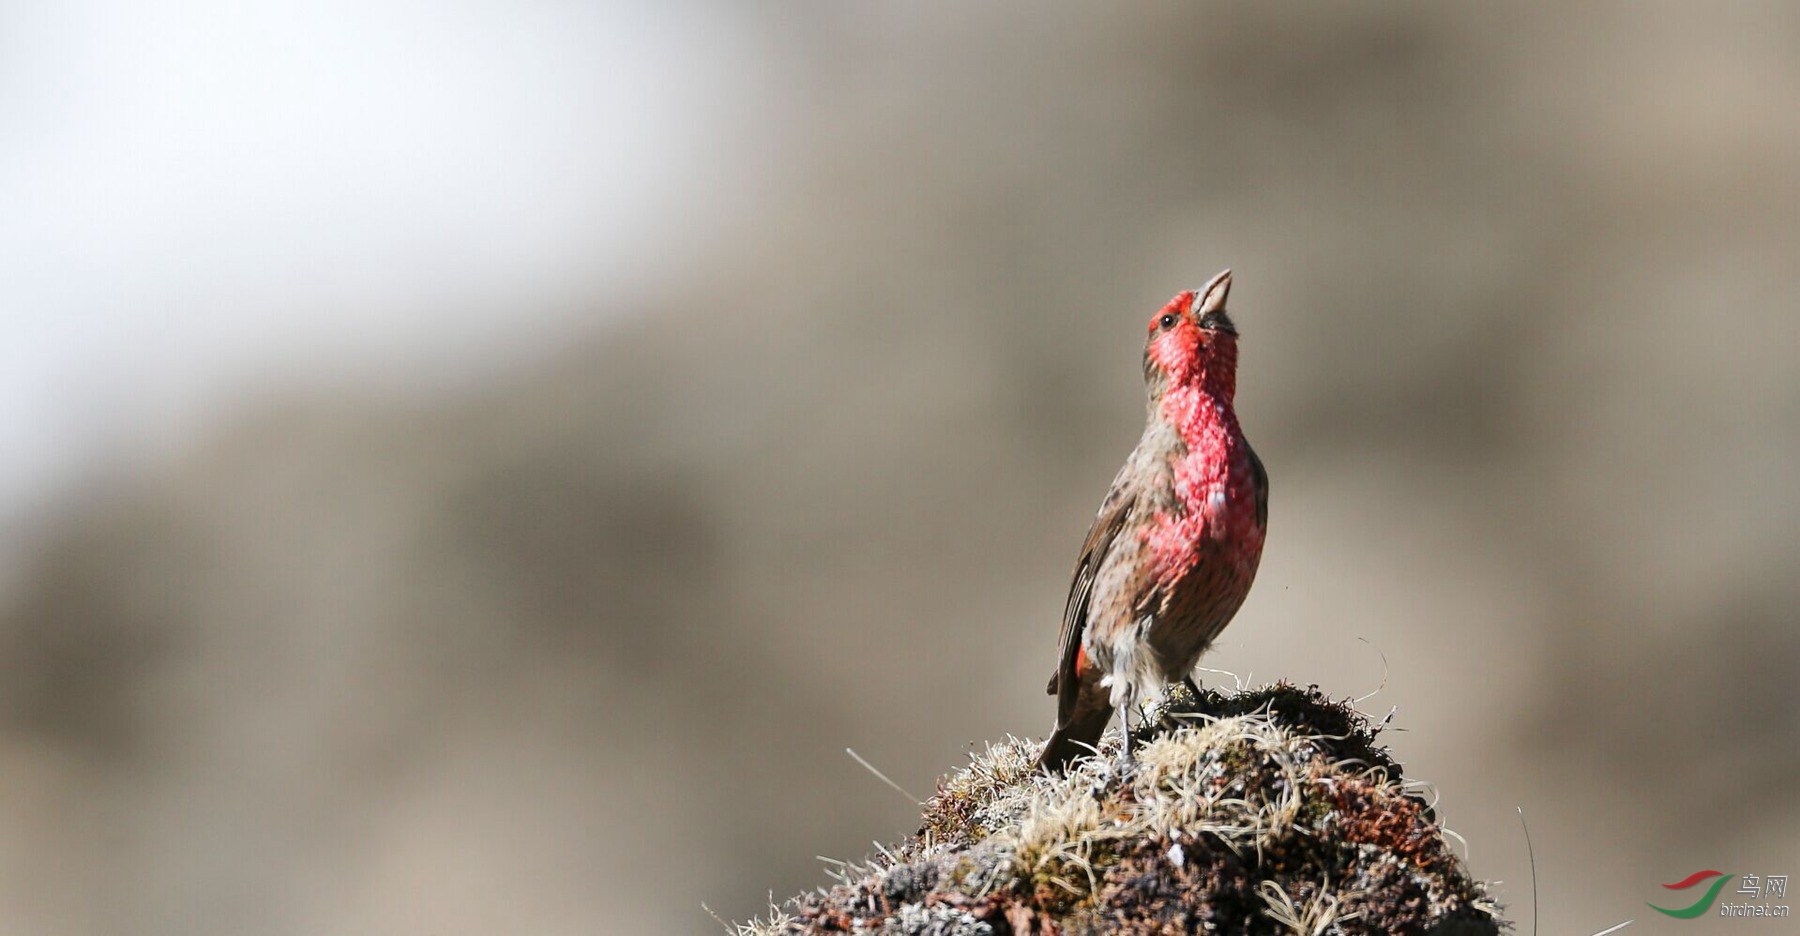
[201, 201]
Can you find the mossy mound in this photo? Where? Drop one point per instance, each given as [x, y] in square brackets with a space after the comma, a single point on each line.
[1266, 811]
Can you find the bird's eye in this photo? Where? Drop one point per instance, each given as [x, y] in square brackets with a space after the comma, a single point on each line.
[1167, 321]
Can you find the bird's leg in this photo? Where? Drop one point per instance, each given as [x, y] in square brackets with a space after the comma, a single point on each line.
[1193, 687]
[1130, 701]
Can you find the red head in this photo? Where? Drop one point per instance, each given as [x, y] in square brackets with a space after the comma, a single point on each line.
[1192, 343]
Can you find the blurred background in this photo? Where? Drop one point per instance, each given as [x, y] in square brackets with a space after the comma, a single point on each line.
[473, 467]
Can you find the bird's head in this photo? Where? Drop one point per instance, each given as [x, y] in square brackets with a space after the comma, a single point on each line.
[1193, 343]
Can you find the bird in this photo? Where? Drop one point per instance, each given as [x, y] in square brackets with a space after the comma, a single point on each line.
[1175, 546]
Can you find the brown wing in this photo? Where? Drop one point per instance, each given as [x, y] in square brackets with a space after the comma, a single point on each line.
[1113, 511]
[1261, 476]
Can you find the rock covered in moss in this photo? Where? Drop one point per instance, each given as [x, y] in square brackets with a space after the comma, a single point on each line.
[1265, 811]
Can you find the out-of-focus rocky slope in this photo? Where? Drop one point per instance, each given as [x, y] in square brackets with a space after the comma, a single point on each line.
[587, 642]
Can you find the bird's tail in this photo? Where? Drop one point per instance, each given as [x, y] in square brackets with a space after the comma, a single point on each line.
[1075, 738]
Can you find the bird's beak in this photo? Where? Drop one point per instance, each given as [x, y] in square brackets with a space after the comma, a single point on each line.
[1212, 295]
